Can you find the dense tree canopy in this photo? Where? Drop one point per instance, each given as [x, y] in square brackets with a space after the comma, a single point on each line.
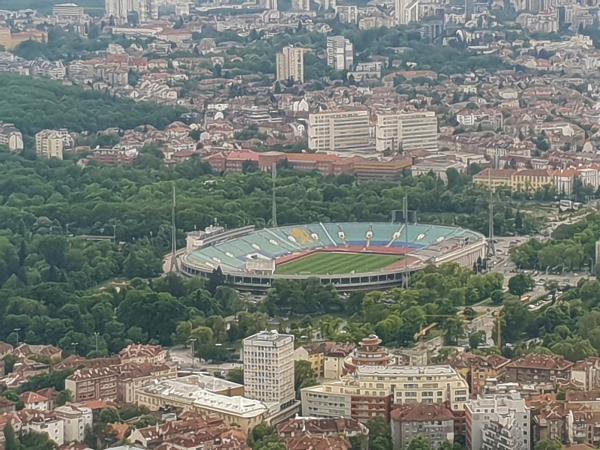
[34, 104]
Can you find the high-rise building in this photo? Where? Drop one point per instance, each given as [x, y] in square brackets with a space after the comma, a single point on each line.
[269, 367]
[498, 422]
[145, 9]
[290, 64]
[406, 11]
[340, 53]
[269, 4]
[339, 130]
[409, 131]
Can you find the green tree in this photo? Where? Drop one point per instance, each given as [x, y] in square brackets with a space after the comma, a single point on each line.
[10, 439]
[419, 443]
[476, 339]
[64, 397]
[548, 444]
[304, 376]
[236, 375]
[380, 435]
[520, 283]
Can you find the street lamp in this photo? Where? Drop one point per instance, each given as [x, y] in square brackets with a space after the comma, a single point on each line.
[193, 341]
[96, 334]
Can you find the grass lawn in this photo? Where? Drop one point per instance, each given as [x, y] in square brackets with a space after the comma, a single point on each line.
[336, 263]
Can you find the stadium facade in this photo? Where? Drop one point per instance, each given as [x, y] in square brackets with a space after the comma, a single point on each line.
[249, 258]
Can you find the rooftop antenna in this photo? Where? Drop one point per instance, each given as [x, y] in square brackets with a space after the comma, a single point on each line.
[491, 250]
[173, 263]
[274, 207]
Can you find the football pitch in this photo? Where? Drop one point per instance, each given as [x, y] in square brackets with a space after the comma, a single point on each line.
[336, 264]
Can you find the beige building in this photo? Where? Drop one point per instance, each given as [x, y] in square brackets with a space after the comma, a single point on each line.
[77, 419]
[339, 131]
[269, 367]
[190, 394]
[407, 131]
[11, 137]
[51, 144]
[372, 390]
[340, 53]
[526, 180]
[290, 64]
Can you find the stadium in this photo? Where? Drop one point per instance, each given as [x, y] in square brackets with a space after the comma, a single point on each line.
[349, 255]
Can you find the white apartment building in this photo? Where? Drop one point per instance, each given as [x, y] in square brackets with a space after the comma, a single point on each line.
[67, 11]
[340, 53]
[11, 137]
[340, 130]
[290, 64]
[498, 422]
[406, 11]
[407, 131]
[76, 420]
[146, 10]
[375, 388]
[269, 367]
[300, 5]
[347, 13]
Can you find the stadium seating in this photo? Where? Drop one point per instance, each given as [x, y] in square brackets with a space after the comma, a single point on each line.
[281, 241]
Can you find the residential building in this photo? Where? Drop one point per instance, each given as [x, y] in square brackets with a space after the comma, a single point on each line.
[144, 354]
[340, 53]
[544, 371]
[498, 422]
[41, 422]
[340, 426]
[407, 131]
[77, 420]
[339, 131]
[269, 367]
[186, 393]
[347, 14]
[35, 401]
[434, 422]
[67, 11]
[476, 369]
[193, 432]
[50, 144]
[11, 137]
[326, 358]
[143, 10]
[372, 390]
[406, 11]
[290, 64]
[93, 384]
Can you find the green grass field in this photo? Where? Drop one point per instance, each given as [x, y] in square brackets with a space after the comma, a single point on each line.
[336, 263]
